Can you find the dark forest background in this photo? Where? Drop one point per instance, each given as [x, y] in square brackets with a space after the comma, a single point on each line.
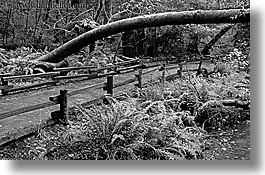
[46, 24]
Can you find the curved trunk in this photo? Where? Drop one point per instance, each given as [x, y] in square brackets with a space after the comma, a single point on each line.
[154, 20]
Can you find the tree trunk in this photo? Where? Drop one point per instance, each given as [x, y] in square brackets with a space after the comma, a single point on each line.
[127, 44]
[192, 48]
[206, 49]
[154, 20]
[139, 44]
[48, 67]
[238, 104]
[98, 11]
[47, 13]
[151, 43]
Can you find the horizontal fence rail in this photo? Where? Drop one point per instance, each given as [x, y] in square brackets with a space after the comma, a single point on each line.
[13, 89]
[41, 75]
[5, 75]
[26, 109]
[6, 87]
[88, 76]
[66, 69]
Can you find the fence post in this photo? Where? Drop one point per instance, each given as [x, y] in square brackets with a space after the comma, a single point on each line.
[180, 70]
[139, 76]
[140, 72]
[199, 68]
[4, 83]
[63, 106]
[61, 116]
[163, 69]
[109, 87]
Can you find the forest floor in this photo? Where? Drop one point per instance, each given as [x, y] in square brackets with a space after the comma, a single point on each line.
[232, 144]
[229, 145]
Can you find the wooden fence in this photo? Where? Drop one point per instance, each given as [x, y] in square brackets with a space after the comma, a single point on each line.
[57, 75]
[61, 116]
[54, 77]
[108, 86]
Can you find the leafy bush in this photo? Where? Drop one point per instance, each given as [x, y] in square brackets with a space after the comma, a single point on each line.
[239, 60]
[127, 130]
[213, 115]
[19, 61]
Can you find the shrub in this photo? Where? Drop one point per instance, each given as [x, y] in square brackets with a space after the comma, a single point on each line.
[127, 130]
[239, 61]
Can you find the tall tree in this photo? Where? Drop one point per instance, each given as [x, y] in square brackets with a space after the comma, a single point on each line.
[96, 17]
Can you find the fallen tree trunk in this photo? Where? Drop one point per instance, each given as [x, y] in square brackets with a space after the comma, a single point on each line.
[206, 49]
[154, 20]
[238, 104]
[124, 58]
[48, 67]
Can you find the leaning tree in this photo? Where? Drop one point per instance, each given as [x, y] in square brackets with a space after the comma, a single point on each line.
[154, 20]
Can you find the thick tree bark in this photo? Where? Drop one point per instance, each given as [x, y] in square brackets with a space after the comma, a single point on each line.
[154, 20]
[208, 46]
[238, 104]
[48, 67]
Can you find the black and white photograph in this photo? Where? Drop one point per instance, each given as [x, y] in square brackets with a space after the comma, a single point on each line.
[125, 80]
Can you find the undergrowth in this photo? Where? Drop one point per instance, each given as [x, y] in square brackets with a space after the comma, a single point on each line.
[127, 130]
[159, 122]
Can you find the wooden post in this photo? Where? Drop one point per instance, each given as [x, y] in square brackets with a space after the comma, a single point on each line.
[139, 76]
[109, 87]
[4, 83]
[140, 72]
[61, 116]
[163, 68]
[63, 106]
[199, 68]
[180, 70]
